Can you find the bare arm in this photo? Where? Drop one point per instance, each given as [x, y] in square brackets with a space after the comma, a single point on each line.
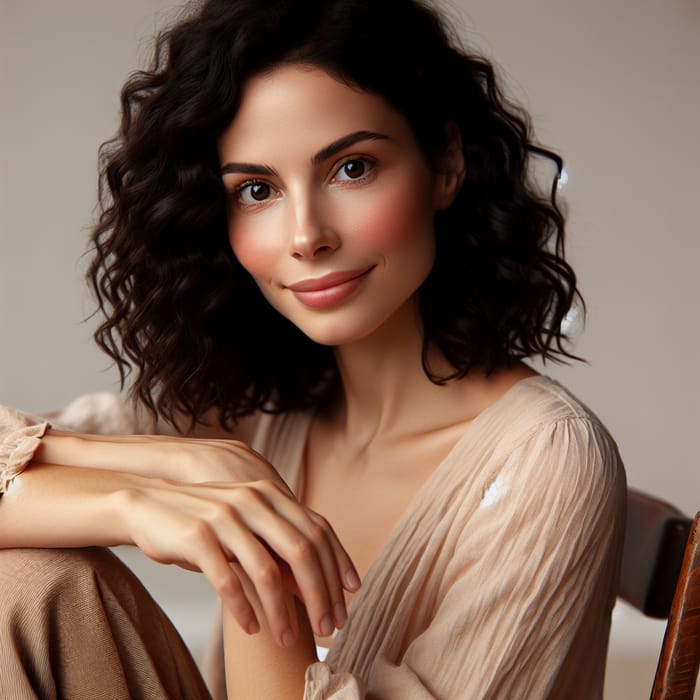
[257, 667]
[56, 506]
[205, 453]
[199, 503]
[186, 459]
[202, 526]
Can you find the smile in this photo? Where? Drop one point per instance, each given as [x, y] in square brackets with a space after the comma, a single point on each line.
[329, 290]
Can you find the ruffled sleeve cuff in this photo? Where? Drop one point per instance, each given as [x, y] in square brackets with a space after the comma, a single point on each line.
[323, 684]
[20, 436]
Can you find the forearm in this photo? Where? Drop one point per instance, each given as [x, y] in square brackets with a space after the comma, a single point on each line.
[182, 459]
[56, 506]
[143, 455]
[257, 667]
[232, 506]
[222, 457]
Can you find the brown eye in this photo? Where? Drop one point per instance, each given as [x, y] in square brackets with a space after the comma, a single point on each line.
[259, 191]
[254, 193]
[354, 169]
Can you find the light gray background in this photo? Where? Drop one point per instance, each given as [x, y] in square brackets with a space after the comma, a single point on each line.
[612, 84]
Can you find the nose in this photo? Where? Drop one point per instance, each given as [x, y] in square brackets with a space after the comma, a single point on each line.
[312, 234]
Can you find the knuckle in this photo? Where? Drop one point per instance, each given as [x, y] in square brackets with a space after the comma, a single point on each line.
[317, 534]
[128, 498]
[321, 523]
[304, 551]
[267, 575]
[318, 518]
[221, 512]
[267, 486]
[248, 493]
[196, 531]
[228, 586]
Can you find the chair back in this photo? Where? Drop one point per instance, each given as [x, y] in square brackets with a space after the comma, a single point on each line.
[661, 578]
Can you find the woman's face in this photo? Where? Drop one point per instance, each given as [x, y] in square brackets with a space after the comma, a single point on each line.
[330, 202]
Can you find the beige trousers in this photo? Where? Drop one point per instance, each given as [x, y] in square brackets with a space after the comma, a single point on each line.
[76, 624]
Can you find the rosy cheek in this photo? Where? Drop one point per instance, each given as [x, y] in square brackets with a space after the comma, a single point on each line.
[395, 216]
[253, 249]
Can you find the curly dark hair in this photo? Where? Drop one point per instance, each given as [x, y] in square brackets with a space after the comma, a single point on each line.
[181, 310]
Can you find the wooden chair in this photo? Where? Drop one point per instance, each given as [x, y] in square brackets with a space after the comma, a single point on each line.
[661, 578]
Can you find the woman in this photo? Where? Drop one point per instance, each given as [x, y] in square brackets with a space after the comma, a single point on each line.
[319, 239]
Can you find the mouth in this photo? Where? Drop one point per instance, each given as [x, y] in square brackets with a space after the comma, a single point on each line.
[329, 290]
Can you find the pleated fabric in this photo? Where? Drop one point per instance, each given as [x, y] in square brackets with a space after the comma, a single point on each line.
[498, 581]
[76, 624]
[500, 578]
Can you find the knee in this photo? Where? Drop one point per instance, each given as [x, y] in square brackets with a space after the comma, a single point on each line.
[33, 575]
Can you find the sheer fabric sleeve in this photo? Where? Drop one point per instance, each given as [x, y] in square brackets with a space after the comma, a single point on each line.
[521, 608]
[20, 436]
[105, 413]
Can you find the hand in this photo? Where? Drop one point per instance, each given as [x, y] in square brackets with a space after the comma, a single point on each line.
[280, 545]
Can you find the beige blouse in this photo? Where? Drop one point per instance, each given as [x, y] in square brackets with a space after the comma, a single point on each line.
[499, 579]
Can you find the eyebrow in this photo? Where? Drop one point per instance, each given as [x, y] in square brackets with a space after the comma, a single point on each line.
[248, 169]
[345, 142]
[324, 154]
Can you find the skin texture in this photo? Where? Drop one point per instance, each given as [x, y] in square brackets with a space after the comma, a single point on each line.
[367, 207]
[244, 514]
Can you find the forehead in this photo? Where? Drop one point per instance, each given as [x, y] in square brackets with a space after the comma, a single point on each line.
[299, 105]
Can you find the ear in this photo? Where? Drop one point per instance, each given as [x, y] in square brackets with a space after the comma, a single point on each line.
[449, 168]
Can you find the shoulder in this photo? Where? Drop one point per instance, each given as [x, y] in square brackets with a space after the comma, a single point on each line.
[541, 405]
[547, 439]
[540, 399]
[552, 483]
[570, 449]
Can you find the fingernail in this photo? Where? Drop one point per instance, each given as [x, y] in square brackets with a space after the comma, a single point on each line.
[253, 627]
[340, 614]
[326, 627]
[288, 638]
[352, 580]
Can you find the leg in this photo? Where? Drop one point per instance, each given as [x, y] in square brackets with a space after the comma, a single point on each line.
[76, 623]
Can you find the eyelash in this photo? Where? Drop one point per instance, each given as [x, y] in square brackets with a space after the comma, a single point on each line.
[355, 159]
[370, 162]
[238, 191]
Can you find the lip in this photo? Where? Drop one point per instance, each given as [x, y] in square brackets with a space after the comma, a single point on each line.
[329, 290]
[332, 279]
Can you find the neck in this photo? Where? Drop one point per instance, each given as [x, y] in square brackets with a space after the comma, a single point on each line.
[385, 389]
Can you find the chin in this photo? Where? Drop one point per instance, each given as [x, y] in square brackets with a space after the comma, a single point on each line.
[334, 337]
[340, 330]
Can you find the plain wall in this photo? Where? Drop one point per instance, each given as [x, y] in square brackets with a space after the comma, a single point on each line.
[612, 85]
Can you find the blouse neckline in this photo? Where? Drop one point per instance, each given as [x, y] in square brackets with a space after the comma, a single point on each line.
[297, 476]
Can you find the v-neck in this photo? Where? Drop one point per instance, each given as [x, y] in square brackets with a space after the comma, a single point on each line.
[296, 452]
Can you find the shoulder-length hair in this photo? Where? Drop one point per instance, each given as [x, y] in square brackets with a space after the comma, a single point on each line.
[182, 312]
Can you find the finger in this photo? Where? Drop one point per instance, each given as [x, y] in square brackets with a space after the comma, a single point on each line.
[329, 552]
[344, 567]
[183, 537]
[339, 569]
[337, 566]
[287, 529]
[265, 575]
[209, 557]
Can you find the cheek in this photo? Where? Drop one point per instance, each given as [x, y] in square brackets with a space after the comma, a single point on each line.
[253, 249]
[396, 217]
